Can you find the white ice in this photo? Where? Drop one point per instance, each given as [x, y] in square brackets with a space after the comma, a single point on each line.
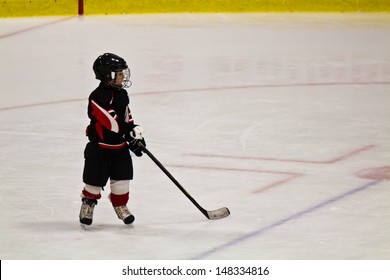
[275, 116]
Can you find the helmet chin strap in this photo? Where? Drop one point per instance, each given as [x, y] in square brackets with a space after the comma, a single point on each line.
[109, 83]
[112, 84]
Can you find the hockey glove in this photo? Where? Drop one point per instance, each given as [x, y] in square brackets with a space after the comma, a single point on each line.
[134, 138]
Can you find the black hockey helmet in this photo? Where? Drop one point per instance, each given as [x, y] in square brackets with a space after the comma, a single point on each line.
[107, 65]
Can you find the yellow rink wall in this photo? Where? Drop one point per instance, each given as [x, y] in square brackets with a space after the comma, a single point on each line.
[22, 8]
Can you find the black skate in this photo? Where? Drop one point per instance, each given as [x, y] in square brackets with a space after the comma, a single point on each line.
[86, 211]
[124, 214]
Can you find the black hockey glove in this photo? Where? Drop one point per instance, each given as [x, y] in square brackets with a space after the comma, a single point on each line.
[136, 141]
[136, 148]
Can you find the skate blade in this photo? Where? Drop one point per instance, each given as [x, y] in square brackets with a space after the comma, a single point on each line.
[84, 227]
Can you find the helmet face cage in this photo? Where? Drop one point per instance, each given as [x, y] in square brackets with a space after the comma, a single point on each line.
[126, 83]
[106, 68]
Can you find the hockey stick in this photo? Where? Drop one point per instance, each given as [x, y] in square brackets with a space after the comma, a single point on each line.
[211, 215]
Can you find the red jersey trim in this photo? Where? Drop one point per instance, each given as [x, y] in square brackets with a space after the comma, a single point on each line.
[112, 147]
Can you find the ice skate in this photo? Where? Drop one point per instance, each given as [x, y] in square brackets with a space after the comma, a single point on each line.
[124, 214]
[86, 211]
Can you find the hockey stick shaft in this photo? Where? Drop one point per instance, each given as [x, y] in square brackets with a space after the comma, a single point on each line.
[158, 163]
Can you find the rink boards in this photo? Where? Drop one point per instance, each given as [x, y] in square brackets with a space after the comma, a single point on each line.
[25, 8]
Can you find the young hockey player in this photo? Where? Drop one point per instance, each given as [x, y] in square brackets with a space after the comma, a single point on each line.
[111, 133]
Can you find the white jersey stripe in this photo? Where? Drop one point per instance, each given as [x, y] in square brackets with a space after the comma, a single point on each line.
[113, 124]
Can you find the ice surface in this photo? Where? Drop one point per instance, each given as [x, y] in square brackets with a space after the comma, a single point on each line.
[275, 116]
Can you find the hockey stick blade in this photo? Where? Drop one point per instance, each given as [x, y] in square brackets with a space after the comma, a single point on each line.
[218, 214]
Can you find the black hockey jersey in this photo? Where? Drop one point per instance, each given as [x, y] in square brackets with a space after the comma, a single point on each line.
[111, 120]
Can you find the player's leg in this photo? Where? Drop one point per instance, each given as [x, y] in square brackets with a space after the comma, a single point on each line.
[121, 174]
[95, 176]
[119, 197]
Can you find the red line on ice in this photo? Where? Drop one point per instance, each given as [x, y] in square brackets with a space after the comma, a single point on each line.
[17, 32]
[328, 161]
[290, 175]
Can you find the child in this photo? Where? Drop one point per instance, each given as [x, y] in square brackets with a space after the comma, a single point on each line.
[111, 134]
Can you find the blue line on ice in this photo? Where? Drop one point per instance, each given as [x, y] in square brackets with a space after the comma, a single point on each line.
[281, 222]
